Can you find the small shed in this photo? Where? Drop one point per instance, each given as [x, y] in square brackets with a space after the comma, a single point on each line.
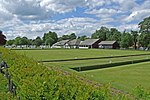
[90, 43]
[109, 44]
[73, 43]
[60, 44]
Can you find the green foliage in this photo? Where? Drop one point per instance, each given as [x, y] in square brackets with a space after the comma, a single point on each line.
[38, 41]
[126, 40]
[10, 42]
[82, 38]
[21, 41]
[66, 37]
[144, 39]
[114, 35]
[135, 38]
[50, 38]
[4, 94]
[73, 36]
[101, 34]
[145, 25]
[107, 34]
[141, 93]
[35, 81]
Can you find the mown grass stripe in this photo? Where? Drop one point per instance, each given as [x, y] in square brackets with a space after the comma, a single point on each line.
[62, 60]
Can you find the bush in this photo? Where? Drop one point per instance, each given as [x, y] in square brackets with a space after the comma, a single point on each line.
[35, 81]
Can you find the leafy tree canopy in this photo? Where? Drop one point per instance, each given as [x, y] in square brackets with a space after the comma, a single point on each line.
[101, 33]
[50, 36]
[66, 37]
[126, 40]
[145, 25]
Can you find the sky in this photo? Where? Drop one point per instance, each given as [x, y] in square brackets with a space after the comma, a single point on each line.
[32, 18]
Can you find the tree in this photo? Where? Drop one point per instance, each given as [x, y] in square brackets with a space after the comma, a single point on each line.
[114, 35]
[72, 36]
[49, 41]
[144, 38]
[25, 41]
[135, 38]
[145, 25]
[10, 42]
[17, 41]
[38, 41]
[2, 38]
[82, 38]
[68, 37]
[64, 37]
[101, 34]
[22, 41]
[126, 40]
[50, 36]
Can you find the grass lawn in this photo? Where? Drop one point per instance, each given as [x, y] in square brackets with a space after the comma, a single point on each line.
[81, 63]
[125, 77]
[53, 54]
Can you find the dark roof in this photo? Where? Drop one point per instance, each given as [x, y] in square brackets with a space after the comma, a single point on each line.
[74, 42]
[107, 42]
[89, 42]
[61, 43]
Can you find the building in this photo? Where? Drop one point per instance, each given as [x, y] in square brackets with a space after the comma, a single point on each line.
[60, 44]
[73, 43]
[90, 43]
[108, 44]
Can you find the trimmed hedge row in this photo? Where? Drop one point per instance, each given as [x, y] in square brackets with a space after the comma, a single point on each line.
[84, 68]
[36, 82]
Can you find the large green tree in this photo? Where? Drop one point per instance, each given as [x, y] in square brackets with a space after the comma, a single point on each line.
[72, 36]
[10, 42]
[25, 41]
[144, 38]
[2, 38]
[17, 40]
[68, 37]
[50, 38]
[145, 25]
[114, 35]
[135, 38]
[22, 41]
[126, 40]
[38, 41]
[101, 34]
[82, 38]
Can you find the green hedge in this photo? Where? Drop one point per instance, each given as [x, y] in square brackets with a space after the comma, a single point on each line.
[85, 68]
[35, 81]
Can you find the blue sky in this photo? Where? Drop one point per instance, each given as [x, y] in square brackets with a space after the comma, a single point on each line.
[32, 18]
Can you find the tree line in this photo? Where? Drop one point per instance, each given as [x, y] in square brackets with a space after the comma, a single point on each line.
[126, 39]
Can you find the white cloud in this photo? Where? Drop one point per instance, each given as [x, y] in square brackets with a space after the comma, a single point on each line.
[61, 6]
[138, 15]
[32, 18]
[103, 12]
[4, 14]
[128, 27]
[139, 12]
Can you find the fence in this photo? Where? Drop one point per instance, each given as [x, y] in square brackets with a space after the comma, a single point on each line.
[4, 70]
